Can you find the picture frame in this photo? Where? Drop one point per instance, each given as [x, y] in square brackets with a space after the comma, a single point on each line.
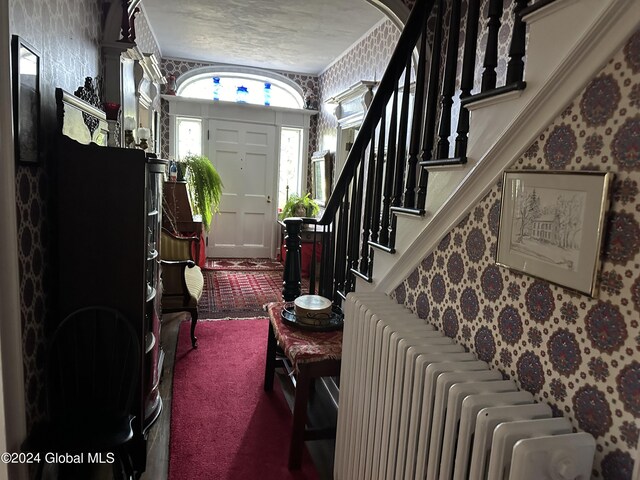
[551, 225]
[26, 67]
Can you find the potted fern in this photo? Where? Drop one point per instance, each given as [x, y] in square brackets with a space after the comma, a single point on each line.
[299, 206]
[204, 185]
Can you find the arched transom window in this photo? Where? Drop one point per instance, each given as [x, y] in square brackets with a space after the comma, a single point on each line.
[242, 86]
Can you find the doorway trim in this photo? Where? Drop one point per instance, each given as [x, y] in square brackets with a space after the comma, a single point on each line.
[207, 110]
[351, 106]
[12, 394]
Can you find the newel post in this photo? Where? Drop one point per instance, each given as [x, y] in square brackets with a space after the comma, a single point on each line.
[291, 278]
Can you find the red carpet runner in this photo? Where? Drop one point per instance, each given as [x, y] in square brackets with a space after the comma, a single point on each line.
[223, 424]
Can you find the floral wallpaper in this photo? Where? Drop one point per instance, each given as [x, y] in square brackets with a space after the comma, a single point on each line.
[578, 354]
[67, 34]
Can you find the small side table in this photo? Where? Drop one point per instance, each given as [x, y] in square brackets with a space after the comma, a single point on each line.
[311, 355]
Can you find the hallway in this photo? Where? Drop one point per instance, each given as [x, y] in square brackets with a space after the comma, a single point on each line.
[251, 271]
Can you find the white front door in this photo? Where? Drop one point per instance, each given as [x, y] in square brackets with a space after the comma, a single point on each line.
[244, 155]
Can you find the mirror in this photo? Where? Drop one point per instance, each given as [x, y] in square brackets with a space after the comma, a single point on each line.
[26, 100]
[321, 169]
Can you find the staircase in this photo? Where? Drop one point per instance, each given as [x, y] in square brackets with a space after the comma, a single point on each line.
[444, 124]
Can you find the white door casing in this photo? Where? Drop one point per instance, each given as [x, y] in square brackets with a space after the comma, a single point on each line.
[13, 428]
[244, 155]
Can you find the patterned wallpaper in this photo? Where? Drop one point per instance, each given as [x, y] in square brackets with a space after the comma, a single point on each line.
[367, 60]
[576, 353]
[504, 42]
[67, 33]
[144, 37]
[175, 67]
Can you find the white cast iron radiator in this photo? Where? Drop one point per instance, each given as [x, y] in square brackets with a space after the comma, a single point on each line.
[415, 405]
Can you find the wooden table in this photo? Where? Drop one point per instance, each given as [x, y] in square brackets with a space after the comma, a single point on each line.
[310, 354]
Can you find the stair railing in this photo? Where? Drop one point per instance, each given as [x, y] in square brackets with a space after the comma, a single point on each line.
[417, 120]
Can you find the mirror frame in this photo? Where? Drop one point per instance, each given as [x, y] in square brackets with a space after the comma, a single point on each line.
[321, 176]
[26, 103]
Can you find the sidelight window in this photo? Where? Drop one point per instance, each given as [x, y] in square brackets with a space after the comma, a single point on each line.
[189, 136]
[290, 179]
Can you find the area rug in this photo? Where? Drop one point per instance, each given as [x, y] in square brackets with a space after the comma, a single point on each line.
[240, 294]
[243, 264]
[232, 293]
[223, 424]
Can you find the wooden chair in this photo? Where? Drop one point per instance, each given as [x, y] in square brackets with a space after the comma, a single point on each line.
[182, 280]
[177, 218]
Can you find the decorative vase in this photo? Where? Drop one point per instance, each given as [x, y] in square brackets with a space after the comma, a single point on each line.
[170, 88]
[111, 110]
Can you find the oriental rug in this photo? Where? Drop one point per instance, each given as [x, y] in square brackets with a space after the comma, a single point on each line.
[243, 264]
[238, 294]
[223, 424]
[233, 294]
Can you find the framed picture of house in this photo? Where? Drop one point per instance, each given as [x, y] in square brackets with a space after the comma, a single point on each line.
[551, 225]
[26, 100]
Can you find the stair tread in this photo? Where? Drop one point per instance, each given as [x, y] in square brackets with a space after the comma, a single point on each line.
[494, 92]
[361, 275]
[409, 211]
[443, 162]
[382, 247]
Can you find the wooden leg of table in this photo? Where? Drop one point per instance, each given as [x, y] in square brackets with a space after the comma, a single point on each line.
[270, 361]
[296, 447]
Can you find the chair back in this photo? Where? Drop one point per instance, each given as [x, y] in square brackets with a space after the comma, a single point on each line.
[93, 369]
[173, 247]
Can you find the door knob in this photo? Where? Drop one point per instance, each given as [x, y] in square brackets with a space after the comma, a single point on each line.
[268, 198]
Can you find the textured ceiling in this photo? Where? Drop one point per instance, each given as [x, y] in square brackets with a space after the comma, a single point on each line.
[294, 35]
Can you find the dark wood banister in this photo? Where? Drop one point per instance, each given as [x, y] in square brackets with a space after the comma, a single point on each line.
[406, 43]
[376, 184]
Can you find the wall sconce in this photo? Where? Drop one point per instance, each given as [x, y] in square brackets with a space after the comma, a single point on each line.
[143, 137]
[129, 126]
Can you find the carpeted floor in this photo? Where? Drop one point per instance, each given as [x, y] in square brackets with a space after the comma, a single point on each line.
[223, 424]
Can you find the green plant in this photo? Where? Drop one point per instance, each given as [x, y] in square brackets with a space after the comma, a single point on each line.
[204, 185]
[296, 204]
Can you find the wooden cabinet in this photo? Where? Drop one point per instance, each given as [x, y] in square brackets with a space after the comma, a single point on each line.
[109, 217]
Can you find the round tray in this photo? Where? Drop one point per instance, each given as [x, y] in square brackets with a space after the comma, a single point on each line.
[332, 322]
